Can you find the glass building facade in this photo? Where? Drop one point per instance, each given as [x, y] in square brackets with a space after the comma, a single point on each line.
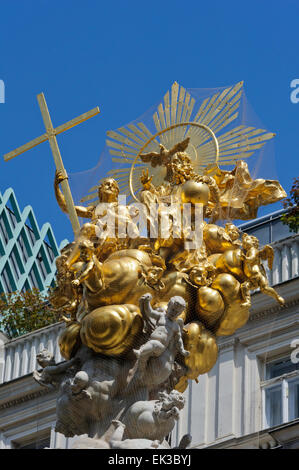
[27, 252]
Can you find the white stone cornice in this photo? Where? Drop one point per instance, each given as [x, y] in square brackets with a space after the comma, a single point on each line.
[227, 343]
[289, 290]
[21, 339]
[23, 399]
[17, 390]
[273, 310]
[263, 339]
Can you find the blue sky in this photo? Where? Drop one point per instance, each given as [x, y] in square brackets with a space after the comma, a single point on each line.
[123, 56]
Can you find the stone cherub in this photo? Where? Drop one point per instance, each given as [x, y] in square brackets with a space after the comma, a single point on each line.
[72, 402]
[78, 386]
[254, 270]
[52, 374]
[169, 404]
[167, 332]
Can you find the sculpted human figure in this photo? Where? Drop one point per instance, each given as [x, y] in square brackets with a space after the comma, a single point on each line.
[79, 384]
[117, 442]
[152, 277]
[52, 374]
[167, 330]
[254, 270]
[219, 239]
[153, 419]
[108, 192]
[234, 234]
[203, 274]
[65, 297]
[90, 273]
[149, 194]
[240, 194]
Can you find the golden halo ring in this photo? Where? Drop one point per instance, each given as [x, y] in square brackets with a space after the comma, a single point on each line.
[202, 126]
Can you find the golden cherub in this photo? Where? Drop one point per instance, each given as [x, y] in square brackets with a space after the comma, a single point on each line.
[254, 270]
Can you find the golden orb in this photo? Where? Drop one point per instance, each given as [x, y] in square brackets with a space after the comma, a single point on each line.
[195, 193]
[210, 305]
[202, 345]
[228, 285]
[112, 329]
[69, 339]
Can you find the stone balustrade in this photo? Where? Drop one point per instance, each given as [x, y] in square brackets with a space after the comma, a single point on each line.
[286, 260]
[19, 358]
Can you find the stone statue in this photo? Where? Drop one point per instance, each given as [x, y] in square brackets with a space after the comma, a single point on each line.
[117, 440]
[153, 419]
[79, 384]
[167, 333]
[51, 374]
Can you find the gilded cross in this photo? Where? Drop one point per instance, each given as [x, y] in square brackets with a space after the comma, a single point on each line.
[50, 135]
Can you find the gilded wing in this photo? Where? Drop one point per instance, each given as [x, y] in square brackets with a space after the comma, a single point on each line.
[267, 253]
[153, 157]
[179, 147]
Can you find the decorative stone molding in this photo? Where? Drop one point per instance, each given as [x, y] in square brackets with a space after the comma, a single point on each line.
[23, 399]
[273, 310]
[228, 344]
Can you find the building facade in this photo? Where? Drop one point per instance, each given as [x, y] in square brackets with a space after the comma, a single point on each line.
[27, 252]
[250, 399]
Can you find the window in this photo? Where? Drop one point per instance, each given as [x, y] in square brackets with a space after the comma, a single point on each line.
[280, 392]
[16, 264]
[31, 234]
[12, 217]
[24, 246]
[35, 278]
[50, 246]
[31, 229]
[42, 263]
[7, 279]
[13, 211]
[5, 229]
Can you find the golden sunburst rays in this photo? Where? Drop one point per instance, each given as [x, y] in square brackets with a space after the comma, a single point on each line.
[175, 119]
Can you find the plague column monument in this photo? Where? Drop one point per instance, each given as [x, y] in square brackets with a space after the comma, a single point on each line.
[147, 287]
